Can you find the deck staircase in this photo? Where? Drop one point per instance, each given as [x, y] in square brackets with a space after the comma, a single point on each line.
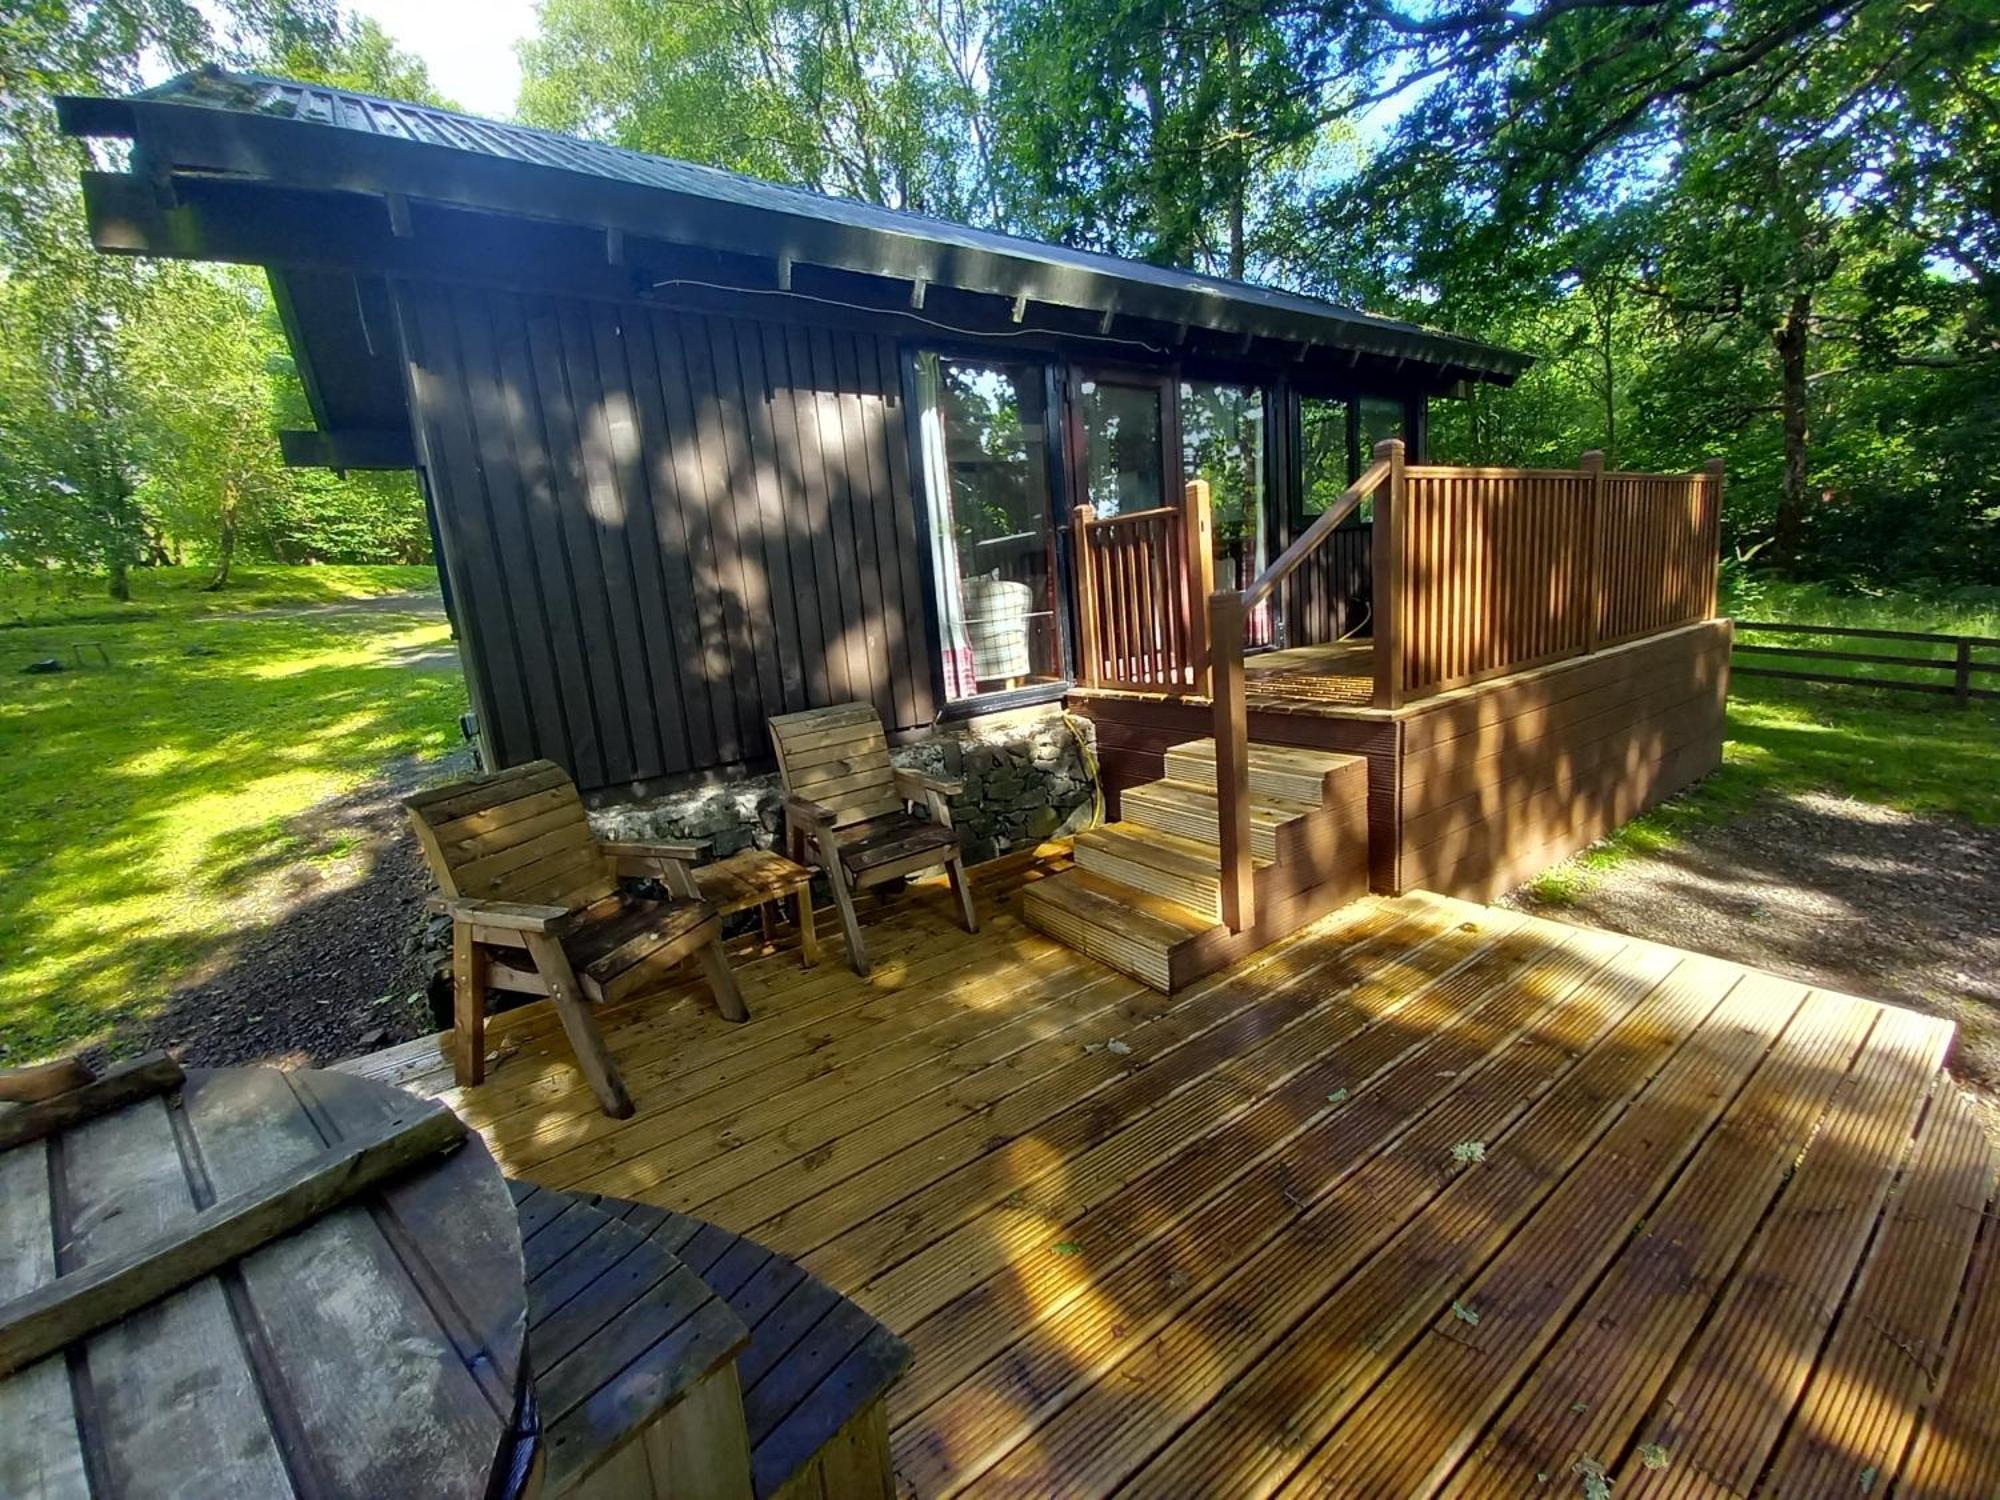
[1145, 895]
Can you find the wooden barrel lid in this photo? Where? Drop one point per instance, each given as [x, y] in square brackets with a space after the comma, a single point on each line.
[377, 1351]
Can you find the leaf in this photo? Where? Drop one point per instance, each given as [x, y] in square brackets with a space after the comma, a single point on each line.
[1338, 1096]
[1069, 1247]
[1596, 1483]
[1465, 1153]
[1464, 1314]
[1653, 1456]
[1868, 1479]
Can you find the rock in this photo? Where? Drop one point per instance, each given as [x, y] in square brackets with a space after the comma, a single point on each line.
[43, 667]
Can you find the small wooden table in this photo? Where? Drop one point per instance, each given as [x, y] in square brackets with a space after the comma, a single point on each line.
[762, 878]
[379, 1350]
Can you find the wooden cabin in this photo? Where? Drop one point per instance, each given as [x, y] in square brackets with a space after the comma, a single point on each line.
[699, 450]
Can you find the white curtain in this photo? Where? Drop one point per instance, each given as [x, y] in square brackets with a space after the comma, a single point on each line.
[960, 671]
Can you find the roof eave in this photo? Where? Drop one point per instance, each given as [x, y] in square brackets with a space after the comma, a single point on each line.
[294, 153]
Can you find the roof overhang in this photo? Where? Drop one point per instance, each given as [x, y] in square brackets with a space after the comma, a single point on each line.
[186, 142]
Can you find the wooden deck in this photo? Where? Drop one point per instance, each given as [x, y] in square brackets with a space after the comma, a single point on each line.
[1430, 1199]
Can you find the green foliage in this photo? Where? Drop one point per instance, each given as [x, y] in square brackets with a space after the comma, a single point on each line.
[137, 398]
[871, 99]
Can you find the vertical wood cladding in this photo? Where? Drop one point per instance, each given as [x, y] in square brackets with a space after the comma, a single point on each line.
[664, 527]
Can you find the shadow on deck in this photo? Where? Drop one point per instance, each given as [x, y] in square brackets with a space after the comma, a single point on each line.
[1429, 1198]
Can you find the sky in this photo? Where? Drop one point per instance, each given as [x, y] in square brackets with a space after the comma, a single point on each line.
[467, 44]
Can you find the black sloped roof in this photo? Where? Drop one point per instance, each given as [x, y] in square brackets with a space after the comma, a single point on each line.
[364, 143]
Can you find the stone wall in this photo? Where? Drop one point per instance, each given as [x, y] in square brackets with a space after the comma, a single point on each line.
[1025, 780]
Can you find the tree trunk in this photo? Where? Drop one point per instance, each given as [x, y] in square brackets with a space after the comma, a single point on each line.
[1607, 351]
[1788, 528]
[120, 586]
[221, 578]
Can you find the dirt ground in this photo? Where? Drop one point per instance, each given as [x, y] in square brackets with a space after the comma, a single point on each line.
[1847, 895]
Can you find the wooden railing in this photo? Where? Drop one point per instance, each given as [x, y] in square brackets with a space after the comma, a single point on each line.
[1227, 609]
[1477, 573]
[1140, 578]
[1498, 570]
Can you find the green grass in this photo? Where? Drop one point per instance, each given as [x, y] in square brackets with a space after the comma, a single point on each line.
[28, 599]
[155, 803]
[1905, 750]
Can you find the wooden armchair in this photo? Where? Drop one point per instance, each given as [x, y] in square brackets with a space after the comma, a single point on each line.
[519, 870]
[847, 810]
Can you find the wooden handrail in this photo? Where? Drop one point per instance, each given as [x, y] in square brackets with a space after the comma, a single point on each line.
[1310, 540]
[1153, 514]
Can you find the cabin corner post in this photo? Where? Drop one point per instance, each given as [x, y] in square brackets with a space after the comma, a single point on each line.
[1387, 567]
[1087, 653]
[1593, 547]
[1232, 759]
[1198, 538]
[1713, 469]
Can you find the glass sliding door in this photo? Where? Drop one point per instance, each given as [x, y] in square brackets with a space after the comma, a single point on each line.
[983, 441]
[1328, 599]
[1121, 436]
[1222, 441]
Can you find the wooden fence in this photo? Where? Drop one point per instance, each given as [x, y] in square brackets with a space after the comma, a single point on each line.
[1498, 570]
[1140, 578]
[1960, 666]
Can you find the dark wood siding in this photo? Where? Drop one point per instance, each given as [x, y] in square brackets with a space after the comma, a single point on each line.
[664, 527]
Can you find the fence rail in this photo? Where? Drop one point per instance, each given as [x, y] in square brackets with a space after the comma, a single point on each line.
[1140, 577]
[1960, 666]
[1504, 569]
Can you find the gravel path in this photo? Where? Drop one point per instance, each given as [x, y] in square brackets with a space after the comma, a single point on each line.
[1844, 894]
[332, 970]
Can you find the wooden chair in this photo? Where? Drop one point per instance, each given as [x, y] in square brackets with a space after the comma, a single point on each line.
[519, 869]
[847, 809]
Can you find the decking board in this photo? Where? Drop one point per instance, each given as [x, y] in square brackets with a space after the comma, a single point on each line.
[1751, 1224]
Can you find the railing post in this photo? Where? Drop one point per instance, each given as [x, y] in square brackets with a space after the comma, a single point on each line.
[1232, 759]
[1593, 547]
[1087, 652]
[1198, 536]
[1961, 680]
[1388, 577]
[1713, 468]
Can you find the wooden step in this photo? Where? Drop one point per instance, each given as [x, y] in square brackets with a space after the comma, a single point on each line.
[1180, 869]
[1282, 772]
[1133, 931]
[1189, 810]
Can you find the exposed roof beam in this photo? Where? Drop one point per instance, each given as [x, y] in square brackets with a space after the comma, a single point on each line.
[347, 450]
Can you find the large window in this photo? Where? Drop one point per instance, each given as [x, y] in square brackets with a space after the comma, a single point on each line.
[1337, 439]
[986, 484]
[1123, 461]
[1222, 441]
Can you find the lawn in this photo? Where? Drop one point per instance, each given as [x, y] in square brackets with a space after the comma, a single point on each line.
[37, 599]
[1904, 750]
[155, 799]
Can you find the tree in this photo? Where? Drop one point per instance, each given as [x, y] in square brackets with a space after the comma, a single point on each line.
[1155, 128]
[872, 99]
[202, 362]
[102, 458]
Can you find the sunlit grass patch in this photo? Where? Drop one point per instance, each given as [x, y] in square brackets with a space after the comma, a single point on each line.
[38, 598]
[152, 800]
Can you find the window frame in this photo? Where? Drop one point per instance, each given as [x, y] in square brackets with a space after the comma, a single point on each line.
[1055, 469]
